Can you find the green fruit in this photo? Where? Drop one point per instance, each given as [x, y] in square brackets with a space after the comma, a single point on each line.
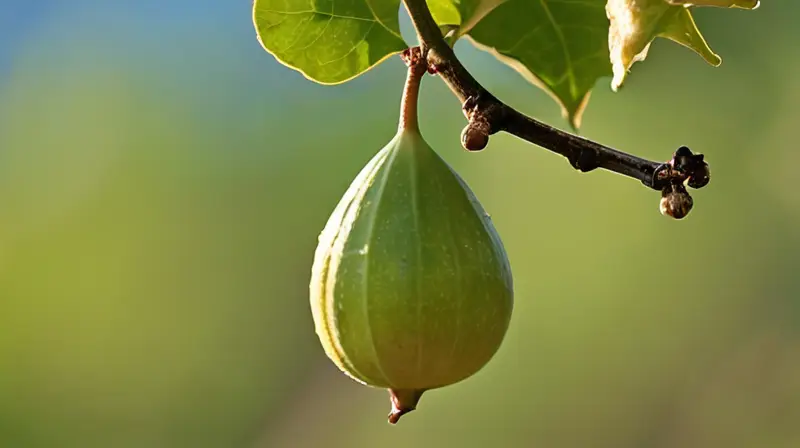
[411, 288]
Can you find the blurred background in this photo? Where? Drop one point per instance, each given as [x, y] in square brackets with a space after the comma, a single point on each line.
[163, 181]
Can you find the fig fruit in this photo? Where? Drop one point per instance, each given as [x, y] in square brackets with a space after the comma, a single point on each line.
[411, 287]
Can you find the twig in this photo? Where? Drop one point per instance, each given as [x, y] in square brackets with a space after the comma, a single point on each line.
[488, 115]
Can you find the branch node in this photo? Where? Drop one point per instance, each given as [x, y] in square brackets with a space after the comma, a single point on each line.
[684, 168]
[486, 117]
[693, 166]
[470, 106]
[662, 176]
[415, 56]
[583, 160]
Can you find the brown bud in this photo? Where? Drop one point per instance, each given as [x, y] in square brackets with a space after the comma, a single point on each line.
[700, 177]
[675, 201]
[474, 138]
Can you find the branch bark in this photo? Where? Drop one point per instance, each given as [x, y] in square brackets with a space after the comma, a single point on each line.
[488, 115]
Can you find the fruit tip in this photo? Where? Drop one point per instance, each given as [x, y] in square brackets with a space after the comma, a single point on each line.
[403, 402]
[395, 415]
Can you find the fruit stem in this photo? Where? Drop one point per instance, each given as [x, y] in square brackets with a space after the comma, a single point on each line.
[403, 402]
[417, 66]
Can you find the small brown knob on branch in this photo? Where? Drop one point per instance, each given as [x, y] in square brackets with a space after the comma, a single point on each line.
[675, 201]
[475, 137]
[700, 177]
[692, 166]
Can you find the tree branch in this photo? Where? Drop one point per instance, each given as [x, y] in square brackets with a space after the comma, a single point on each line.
[488, 115]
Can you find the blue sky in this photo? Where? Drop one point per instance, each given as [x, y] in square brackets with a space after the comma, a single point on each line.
[17, 18]
[145, 22]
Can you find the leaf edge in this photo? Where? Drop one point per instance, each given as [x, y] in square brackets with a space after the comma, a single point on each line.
[303, 72]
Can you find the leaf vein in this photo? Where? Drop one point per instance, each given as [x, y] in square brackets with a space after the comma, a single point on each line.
[302, 25]
[319, 36]
[378, 19]
[311, 11]
[563, 41]
[355, 46]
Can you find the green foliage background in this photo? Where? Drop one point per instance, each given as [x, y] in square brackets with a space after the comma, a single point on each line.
[162, 195]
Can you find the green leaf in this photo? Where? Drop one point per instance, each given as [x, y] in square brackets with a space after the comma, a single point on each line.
[559, 45]
[562, 46]
[565, 46]
[744, 4]
[635, 23]
[329, 41]
[461, 14]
